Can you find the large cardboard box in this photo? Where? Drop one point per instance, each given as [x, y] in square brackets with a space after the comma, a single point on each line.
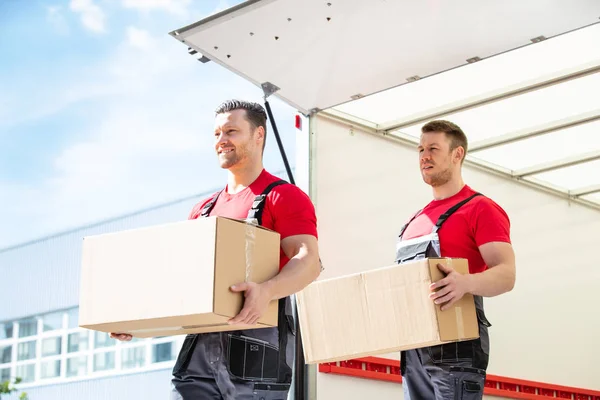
[175, 278]
[381, 311]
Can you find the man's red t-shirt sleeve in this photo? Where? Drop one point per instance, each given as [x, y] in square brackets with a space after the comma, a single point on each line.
[491, 223]
[292, 212]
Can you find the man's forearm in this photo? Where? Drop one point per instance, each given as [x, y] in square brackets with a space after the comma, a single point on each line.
[295, 276]
[493, 282]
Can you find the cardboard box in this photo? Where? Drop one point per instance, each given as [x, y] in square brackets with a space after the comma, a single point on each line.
[381, 311]
[175, 278]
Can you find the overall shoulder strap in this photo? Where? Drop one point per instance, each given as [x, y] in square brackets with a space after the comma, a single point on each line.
[451, 211]
[259, 202]
[205, 212]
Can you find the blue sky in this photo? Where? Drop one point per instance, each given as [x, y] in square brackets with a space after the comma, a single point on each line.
[103, 113]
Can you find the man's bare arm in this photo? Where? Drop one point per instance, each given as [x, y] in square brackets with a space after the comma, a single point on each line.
[500, 277]
[302, 269]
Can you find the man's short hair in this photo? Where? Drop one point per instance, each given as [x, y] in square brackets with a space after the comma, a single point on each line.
[453, 132]
[255, 113]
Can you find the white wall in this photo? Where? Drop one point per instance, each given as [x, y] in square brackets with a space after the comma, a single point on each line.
[365, 187]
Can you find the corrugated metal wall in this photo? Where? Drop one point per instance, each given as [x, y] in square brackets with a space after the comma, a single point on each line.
[143, 386]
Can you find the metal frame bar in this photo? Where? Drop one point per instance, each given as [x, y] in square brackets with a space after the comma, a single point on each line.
[542, 129]
[557, 164]
[496, 95]
[410, 141]
[584, 191]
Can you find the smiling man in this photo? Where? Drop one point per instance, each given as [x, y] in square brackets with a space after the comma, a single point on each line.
[459, 222]
[253, 363]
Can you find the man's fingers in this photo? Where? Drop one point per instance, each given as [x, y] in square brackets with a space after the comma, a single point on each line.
[240, 317]
[120, 336]
[445, 298]
[441, 283]
[240, 287]
[445, 268]
[442, 292]
[449, 304]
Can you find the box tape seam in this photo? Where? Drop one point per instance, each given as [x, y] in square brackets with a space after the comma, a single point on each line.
[250, 245]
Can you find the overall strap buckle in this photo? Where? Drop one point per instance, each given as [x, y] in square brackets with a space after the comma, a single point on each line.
[258, 204]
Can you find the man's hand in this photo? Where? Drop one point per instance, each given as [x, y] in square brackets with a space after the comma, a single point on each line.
[451, 288]
[124, 337]
[256, 300]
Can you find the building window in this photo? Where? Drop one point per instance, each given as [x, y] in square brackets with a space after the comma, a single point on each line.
[5, 354]
[50, 369]
[28, 327]
[163, 352]
[6, 330]
[51, 348]
[26, 351]
[78, 341]
[4, 374]
[104, 361]
[26, 372]
[52, 322]
[133, 357]
[76, 366]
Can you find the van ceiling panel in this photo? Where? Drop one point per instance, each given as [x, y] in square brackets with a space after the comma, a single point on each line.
[320, 54]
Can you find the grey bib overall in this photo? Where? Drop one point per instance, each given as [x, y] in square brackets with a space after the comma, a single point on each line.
[254, 364]
[452, 371]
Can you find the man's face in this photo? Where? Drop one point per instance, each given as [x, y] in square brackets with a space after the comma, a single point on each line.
[437, 162]
[237, 143]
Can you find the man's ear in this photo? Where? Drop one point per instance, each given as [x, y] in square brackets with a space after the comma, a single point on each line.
[260, 133]
[459, 154]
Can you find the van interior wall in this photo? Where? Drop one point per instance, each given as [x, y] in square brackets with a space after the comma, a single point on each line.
[365, 187]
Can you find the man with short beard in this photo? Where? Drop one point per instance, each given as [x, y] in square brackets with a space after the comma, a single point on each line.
[251, 363]
[461, 223]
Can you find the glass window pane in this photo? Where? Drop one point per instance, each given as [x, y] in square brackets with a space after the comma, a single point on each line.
[78, 341]
[5, 354]
[163, 352]
[103, 340]
[77, 366]
[104, 361]
[26, 372]
[51, 346]
[4, 374]
[50, 369]
[133, 357]
[28, 327]
[52, 321]
[6, 330]
[74, 317]
[26, 351]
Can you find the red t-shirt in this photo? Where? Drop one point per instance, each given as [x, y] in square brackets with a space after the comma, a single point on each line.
[287, 209]
[477, 222]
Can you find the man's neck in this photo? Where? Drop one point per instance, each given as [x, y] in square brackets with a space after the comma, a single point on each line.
[448, 189]
[240, 179]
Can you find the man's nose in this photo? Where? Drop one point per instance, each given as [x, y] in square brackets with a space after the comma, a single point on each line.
[220, 138]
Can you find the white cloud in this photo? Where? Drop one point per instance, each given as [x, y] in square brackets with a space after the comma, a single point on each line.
[92, 16]
[176, 7]
[55, 17]
[138, 37]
